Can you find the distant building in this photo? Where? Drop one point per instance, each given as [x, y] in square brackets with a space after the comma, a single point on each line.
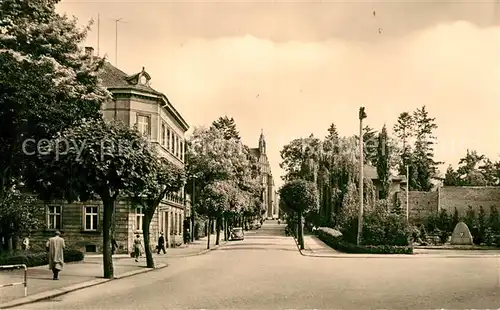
[268, 195]
[396, 182]
[137, 104]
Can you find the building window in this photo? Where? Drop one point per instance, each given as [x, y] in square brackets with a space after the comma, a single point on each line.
[182, 150]
[172, 142]
[180, 224]
[168, 139]
[54, 220]
[175, 224]
[143, 125]
[172, 224]
[163, 134]
[174, 147]
[90, 217]
[178, 149]
[139, 214]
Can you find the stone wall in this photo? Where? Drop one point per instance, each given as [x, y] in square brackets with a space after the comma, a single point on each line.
[422, 204]
[451, 197]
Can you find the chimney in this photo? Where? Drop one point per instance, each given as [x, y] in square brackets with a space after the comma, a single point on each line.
[89, 52]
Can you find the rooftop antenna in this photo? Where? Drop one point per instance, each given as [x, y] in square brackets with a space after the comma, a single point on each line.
[98, 27]
[116, 39]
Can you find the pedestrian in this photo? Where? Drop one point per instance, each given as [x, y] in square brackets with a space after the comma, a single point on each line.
[137, 247]
[26, 244]
[188, 235]
[161, 244]
[55, 248]
[114, 246]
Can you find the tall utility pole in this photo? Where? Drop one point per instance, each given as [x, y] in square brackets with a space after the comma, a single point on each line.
[192, 213]
[116, 40]
[362, 115]
[407, 192]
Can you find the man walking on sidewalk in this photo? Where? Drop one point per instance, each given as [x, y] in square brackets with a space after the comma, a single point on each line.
[161, 244]
[55, 248]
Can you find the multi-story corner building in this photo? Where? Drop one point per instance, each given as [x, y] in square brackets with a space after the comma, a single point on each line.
[268, 195]
[135, 103]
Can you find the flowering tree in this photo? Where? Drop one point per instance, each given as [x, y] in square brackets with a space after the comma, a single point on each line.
[163, 178]
[97, 158]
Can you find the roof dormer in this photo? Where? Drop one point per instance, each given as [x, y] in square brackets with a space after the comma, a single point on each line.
[140, 79]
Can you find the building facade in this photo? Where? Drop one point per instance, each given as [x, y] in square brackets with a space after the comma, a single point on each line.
[136, 104]
[268, 195]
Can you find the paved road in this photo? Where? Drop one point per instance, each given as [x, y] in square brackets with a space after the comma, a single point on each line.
[265, 271]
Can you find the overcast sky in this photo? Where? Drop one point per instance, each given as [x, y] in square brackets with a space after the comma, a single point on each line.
[292, 68]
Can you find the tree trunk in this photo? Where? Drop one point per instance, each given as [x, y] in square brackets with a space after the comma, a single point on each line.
[107, 259]
[225, 228]
[217, 230]
[146, 221]
[301, 231]
[208, 233]
[193, 225]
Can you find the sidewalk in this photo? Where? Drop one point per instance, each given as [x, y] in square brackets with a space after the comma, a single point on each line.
[85, 274]
[315, 247]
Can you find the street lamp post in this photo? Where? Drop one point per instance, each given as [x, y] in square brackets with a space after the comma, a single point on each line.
[362, 115]
[407, 192]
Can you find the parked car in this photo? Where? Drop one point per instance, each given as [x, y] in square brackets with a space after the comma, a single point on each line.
[255, 225]
[237, 233]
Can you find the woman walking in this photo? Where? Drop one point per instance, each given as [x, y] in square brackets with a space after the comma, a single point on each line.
[137, 247]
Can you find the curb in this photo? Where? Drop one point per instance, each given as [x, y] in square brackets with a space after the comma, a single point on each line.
[75, 287]
[414, 255]
[300, 251]
[203, 251]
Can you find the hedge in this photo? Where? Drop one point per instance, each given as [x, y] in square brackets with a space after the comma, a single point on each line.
[39, 259]
[333, 238]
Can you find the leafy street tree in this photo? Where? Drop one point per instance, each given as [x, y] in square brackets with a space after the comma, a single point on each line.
[97, 157]
[214, 200]
[301, 196]
[164, 178]
[382, 162]
[47, 85]
[228, 127]
[214, 158]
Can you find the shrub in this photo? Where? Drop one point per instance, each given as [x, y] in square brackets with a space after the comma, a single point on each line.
[334, 239]
[38, 259]
[381, 227]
